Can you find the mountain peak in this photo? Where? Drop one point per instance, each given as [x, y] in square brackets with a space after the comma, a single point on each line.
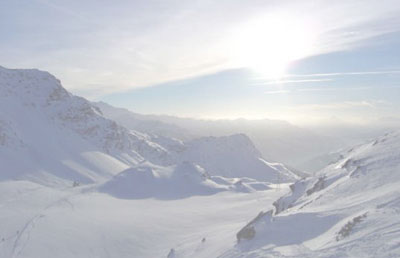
[32, 86]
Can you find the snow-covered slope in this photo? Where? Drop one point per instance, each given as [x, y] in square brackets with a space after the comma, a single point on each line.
[179, 181]
[37, 221]
[48, 133]
[183, 180]
[351, 209]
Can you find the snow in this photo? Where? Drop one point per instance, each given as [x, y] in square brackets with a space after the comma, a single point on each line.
[350, 209]
[74, 183]
[234, 156]
[180, 181]
[48, 134]
[81, 222]
[278, 141]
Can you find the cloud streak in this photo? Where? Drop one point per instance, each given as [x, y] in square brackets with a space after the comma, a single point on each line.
[346, 105]
[277, 82]
[342, 74]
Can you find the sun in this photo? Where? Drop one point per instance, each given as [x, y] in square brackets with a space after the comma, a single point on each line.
[269, 44]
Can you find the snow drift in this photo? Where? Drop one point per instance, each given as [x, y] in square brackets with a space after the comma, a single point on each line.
[179, 181]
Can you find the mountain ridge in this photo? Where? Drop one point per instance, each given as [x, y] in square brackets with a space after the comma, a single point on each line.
[68, 135]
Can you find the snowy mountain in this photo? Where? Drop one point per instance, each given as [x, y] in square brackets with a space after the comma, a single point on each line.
[351, 209]
[50, 135]
[62, 164]
[76, 184]
[278, 141]
[234, 156]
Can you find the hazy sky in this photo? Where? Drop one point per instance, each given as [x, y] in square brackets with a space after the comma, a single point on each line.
[304, 61]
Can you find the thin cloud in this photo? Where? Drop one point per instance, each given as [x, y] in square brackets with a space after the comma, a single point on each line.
[292, 81]
[297, 90]
[345, 105]
[318, 75]
[342, 74]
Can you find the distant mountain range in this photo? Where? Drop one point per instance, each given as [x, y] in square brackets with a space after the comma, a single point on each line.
[278, 141]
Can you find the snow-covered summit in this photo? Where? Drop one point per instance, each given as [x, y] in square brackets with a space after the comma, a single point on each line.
[234, 156]
[33, 87]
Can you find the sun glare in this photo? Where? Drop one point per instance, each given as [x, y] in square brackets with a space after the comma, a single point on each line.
[269, 44]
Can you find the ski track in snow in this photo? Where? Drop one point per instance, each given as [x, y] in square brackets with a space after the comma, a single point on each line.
[22, 236]
[19, 245]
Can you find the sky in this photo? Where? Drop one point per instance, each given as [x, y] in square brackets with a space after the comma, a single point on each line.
[300, 61]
